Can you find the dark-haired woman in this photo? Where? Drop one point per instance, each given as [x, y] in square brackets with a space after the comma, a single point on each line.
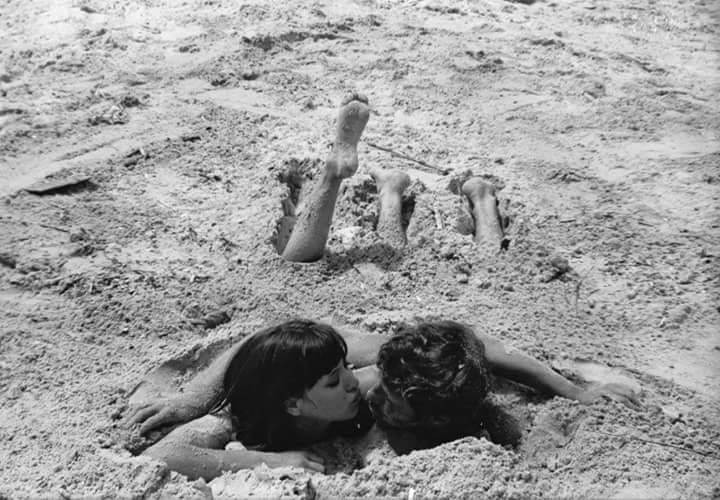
[281, 389]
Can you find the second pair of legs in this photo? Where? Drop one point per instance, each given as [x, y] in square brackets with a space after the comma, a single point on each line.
[310, 232]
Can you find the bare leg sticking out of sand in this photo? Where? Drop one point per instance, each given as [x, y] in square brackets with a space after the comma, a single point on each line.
[483, 205]
[310, 232]
[308, 238]
[391, 184]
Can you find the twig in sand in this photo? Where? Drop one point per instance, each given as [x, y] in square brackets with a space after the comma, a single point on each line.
[25, 223]
[438, 218]
[47, 226]
[578, 285]
[659, 443]
[442, 171]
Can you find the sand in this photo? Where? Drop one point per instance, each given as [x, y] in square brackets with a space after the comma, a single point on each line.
[178, 124]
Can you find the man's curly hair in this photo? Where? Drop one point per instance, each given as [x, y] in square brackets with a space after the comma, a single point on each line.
[439, 368]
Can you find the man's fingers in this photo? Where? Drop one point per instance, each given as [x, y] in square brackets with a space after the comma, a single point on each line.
[626, 397]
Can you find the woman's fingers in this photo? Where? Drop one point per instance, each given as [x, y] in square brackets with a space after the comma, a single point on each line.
[137, 409]
[142, 413]
[154, 421]
[314, 457]
[624, 394]
[314, 466]
[314, 462]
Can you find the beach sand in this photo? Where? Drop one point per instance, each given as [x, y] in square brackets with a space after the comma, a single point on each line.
[146, 148]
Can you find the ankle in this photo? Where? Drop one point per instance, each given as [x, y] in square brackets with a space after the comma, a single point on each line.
[330, 177]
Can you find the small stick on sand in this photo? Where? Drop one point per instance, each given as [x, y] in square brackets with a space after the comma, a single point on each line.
[46, 226]
[438, 218]
[442, 171]
[659, 443]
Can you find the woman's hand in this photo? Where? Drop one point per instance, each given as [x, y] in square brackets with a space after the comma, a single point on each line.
[172, 410]
[617, 392]
[303, 459]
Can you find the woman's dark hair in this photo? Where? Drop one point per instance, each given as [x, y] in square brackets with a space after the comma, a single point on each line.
[272, 366]
[440, 369]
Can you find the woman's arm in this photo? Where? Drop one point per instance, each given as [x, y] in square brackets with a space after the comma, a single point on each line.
[197, 398]
[203, 391]
[197, 450]
[519, 367]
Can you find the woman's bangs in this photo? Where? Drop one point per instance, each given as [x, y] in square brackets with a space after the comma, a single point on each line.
[322, 355]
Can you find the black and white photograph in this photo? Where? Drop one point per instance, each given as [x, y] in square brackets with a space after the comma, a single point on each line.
[330, 249]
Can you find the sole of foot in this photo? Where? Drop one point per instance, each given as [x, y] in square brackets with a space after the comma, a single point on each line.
[352, 118]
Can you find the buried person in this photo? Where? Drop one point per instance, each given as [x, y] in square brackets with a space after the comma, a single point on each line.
[309, 234]
[275, 392]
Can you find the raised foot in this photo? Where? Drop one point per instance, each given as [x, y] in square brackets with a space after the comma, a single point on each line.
[478, 190]
[352, 118]
[483, 204]
[390, 181]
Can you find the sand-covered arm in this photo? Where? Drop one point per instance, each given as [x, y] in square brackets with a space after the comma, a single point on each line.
[197, 450]
[196, 399]
[515, 365]
[205, 389]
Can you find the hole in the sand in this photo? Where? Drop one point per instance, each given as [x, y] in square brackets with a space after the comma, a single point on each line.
[408, 207]
[358, 200]
[294, 175]
[383, 255]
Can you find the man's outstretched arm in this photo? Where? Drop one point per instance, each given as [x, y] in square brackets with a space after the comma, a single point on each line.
[519, 367]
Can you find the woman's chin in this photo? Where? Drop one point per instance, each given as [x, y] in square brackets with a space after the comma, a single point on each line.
[354, 409]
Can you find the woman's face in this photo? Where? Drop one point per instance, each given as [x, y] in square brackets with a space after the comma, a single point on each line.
[334, 397]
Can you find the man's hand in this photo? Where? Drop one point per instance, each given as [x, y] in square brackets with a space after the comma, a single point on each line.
[172, 410]
[617, 392]
[303, 459]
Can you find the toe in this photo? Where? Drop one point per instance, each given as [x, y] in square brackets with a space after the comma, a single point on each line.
[354, 96]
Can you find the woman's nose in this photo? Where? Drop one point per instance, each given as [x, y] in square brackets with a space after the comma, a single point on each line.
[351, 382]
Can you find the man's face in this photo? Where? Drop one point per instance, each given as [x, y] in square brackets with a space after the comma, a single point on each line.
[389, 407]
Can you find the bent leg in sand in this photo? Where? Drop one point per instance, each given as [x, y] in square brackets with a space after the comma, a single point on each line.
[483, 205]
[391, 184]
[308, 238]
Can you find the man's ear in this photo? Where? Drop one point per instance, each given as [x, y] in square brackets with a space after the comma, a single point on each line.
[292, 406]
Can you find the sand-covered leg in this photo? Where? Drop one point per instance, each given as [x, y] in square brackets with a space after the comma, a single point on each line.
[391, 185]
[483, 205]
[308, 238]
